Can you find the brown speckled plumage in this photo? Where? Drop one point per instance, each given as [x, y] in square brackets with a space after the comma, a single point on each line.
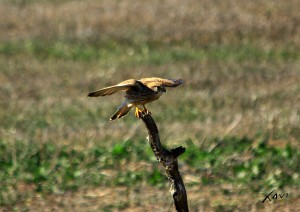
[138, 92]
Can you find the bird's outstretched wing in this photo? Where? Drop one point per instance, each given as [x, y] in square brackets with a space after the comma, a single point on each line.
[113, 89]
[155, 82]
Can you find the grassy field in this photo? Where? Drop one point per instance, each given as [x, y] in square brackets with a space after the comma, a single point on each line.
[237, 114]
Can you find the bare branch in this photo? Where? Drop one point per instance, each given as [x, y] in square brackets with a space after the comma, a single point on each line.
[169, 160]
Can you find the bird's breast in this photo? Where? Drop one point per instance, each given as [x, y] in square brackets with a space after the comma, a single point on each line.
[143, 99]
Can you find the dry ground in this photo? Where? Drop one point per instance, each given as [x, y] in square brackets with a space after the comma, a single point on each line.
[240, 62]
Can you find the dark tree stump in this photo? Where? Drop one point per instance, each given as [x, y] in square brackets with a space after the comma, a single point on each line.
[168, 158]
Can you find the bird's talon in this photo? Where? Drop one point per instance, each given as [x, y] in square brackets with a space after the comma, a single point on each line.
[138, 112]
[138, 92]
[146, 111]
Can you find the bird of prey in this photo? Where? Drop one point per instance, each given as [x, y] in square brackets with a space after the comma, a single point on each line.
[138, 92]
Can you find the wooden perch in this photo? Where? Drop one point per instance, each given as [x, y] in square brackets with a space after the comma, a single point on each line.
[169, 161]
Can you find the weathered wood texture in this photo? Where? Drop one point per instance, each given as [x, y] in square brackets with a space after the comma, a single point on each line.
[168, 158]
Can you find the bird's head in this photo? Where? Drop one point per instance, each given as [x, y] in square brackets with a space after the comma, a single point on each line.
[161, 89]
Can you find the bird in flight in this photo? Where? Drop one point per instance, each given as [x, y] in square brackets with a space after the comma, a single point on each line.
[138, 92]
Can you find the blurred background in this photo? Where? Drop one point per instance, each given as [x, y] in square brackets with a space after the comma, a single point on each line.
[238, 112]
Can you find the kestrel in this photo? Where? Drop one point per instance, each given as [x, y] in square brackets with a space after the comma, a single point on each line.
[138, 92]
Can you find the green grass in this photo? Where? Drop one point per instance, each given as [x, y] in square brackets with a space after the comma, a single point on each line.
[52, 168]
[264, 167]
[134, 54]
[236, 114]
[69, 145]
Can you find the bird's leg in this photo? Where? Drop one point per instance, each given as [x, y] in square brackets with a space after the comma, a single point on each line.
[146, 110]
[138, 112]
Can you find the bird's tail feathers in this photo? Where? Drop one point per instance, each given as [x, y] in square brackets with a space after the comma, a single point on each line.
[122, 111]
